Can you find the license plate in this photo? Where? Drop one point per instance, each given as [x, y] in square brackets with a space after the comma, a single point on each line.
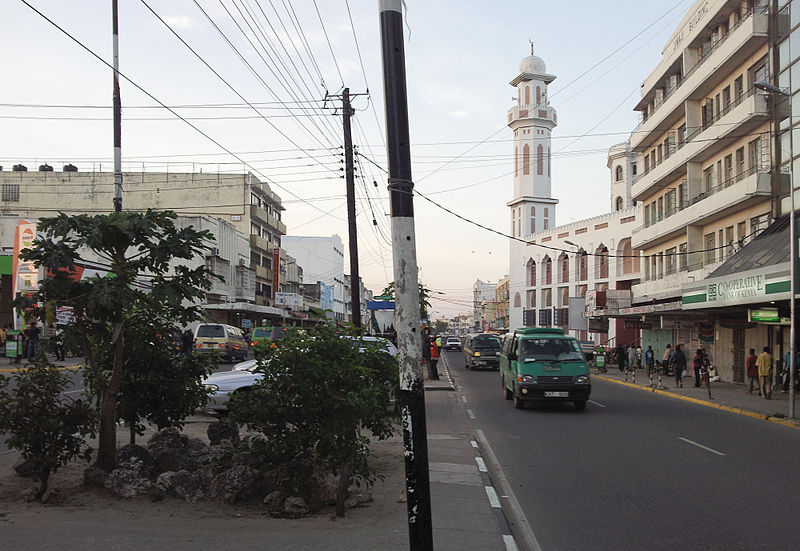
[556, 394]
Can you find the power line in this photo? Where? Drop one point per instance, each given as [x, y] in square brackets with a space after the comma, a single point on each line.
[328, 40]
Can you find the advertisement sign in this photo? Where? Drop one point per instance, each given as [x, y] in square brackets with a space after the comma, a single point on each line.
[768, 315]
[26, 275]
[577, 319]
[288, 299]
[276, 265]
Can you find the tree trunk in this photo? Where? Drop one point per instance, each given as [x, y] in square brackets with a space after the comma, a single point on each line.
[107, 445]
[133, 432]
[44, 477]
[345, 472]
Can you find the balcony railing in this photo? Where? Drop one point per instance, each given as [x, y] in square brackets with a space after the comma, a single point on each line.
[722, 112]
[700, 61]
[673, 209]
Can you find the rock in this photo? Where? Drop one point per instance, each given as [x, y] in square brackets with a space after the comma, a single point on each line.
[30, 494]
[350, 502]
[224, 429]
[295, 506]
[206, 475]
[126, 482]
[174, 459]
[94, 476]
[196, 444]
[24, 468]
[182, 484]
[274, 500]
[157, 493]
[130, 452]
[168, 438]
[53, 496]
[236, 483]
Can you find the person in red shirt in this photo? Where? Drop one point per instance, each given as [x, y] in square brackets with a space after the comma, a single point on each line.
[752, 371]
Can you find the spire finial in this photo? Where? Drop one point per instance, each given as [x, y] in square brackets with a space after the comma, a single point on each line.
[531, 42]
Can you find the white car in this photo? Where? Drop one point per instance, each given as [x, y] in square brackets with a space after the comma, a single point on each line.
[244, 375]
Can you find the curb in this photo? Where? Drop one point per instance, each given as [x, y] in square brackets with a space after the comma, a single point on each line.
[697, 401]
[60, 368]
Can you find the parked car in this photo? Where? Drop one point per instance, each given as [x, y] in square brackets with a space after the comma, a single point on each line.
[481, 351]
[268, 336]
[245, 374]
[542, 365]
[224, 339]
[452, 343]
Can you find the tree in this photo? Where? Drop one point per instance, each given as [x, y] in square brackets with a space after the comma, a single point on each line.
[47, 428]
[321, 394]
[424, 295]
[142, 253]
[159, 386]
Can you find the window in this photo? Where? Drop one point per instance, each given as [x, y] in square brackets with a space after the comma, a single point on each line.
[548, 162]
[531, 273]
[647, 215]
[671, 264]
[729, 240]
[533, 219]
[633, 169]
[601, 260]
[548, 271]
[754, 154]
[728, 168]
[659, 154]
[517, 300]
[539, 159]
[564, 269]
[516, 161]
[708, 178]
[526, 159]
[710, 241]
[740, 170]
[757, 224]
[681, 135]
[741, 232]
[682, 248]
[538, 96]
[10, 193]
[527, 95]
[618, 173]
[738, 87]
[660, 209]
[682, 198]
[584, 266]
[546, 218]
[670, 203]
[619, 204]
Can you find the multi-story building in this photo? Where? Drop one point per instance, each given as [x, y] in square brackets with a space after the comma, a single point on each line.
[364, 295]
[501, 294]
[706, 181]
[322, 259]
[481, 291]
[240, 199]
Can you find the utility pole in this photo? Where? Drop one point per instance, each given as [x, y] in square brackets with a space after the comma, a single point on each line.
[117, 112]
[404, 252]
[355, 281]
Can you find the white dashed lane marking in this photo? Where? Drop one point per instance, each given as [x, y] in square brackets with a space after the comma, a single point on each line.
[471, 415]
[481, 464]
[700, 445]
[494, 501]
[596, 403]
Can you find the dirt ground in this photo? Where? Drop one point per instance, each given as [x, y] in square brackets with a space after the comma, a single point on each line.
[90, 516]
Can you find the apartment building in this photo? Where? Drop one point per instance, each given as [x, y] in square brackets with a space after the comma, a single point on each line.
[322, 259]
[482, 292]
[501, 295]
[708, 186]
[240, 199]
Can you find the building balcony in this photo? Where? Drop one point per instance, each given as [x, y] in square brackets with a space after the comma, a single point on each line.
[532, 111]
[736, 194]
[729, 52]
[263, 272]
[265, 217]
[672, 282]
[743, 115]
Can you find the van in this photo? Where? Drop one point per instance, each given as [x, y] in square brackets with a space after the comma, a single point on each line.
[482, 351]
[226, 340]
[540, 364]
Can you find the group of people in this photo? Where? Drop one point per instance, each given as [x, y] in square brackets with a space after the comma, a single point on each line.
[759, 372]
[29, 339]
[674, 360]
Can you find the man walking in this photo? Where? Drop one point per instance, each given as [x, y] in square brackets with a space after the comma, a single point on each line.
[752, 372]
[649, 362]
[665, 359]
[677, 362]
[631, 364]
[764, 365]
[32, 334]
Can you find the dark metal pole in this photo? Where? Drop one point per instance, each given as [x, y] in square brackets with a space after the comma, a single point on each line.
[407, 317]
[117, 112]
[355, 281]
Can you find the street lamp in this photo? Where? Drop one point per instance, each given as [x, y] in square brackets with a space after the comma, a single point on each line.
[772, 89]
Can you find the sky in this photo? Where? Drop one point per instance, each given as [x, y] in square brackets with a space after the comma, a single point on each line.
[283, 56]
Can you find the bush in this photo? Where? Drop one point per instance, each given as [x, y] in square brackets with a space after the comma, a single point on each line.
[322, 395]
[47, 428]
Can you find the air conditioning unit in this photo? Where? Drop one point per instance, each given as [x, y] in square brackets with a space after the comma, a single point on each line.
[215, 251]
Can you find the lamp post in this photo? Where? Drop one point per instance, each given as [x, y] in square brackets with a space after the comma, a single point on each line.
[775, 91]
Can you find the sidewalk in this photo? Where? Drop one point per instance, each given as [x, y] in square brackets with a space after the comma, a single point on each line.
[7, 365]
[731, 397]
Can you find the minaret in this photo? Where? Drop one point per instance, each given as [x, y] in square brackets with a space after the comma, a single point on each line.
[532, 120]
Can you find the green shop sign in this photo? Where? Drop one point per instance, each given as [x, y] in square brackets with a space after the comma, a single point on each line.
[748, 287]
[769, 315]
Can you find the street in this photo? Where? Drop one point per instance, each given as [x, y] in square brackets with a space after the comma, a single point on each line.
[637, 470]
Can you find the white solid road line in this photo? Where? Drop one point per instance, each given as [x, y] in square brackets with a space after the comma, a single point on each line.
[700, 445]
[511, 545]
[464, 399]
[471, 415]
[474, 443]
[493, 500]
[514, 510]
[481, 464]
[596, 403]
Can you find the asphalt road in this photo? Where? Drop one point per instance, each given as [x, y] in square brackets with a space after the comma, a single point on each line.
[636, 470]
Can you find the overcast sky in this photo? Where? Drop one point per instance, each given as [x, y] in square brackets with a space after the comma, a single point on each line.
[460, 56]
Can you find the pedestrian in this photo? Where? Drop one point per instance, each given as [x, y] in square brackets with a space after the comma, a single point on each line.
[752, 372]
[433, 371]
[59, 344]
[649, 362]
[764, 365]
[677, 361]
[621, 357]
[697, 365]
[187, 341]
[665, 359]
[32, 334]
[631, 364]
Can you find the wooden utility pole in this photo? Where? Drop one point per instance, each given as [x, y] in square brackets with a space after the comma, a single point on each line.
[355, 280]
[404, 252]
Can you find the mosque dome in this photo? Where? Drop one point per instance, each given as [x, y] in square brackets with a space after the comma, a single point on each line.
[533, 65]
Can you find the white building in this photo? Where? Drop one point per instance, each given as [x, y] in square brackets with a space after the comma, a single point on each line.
[481, 291]
[322, 259]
